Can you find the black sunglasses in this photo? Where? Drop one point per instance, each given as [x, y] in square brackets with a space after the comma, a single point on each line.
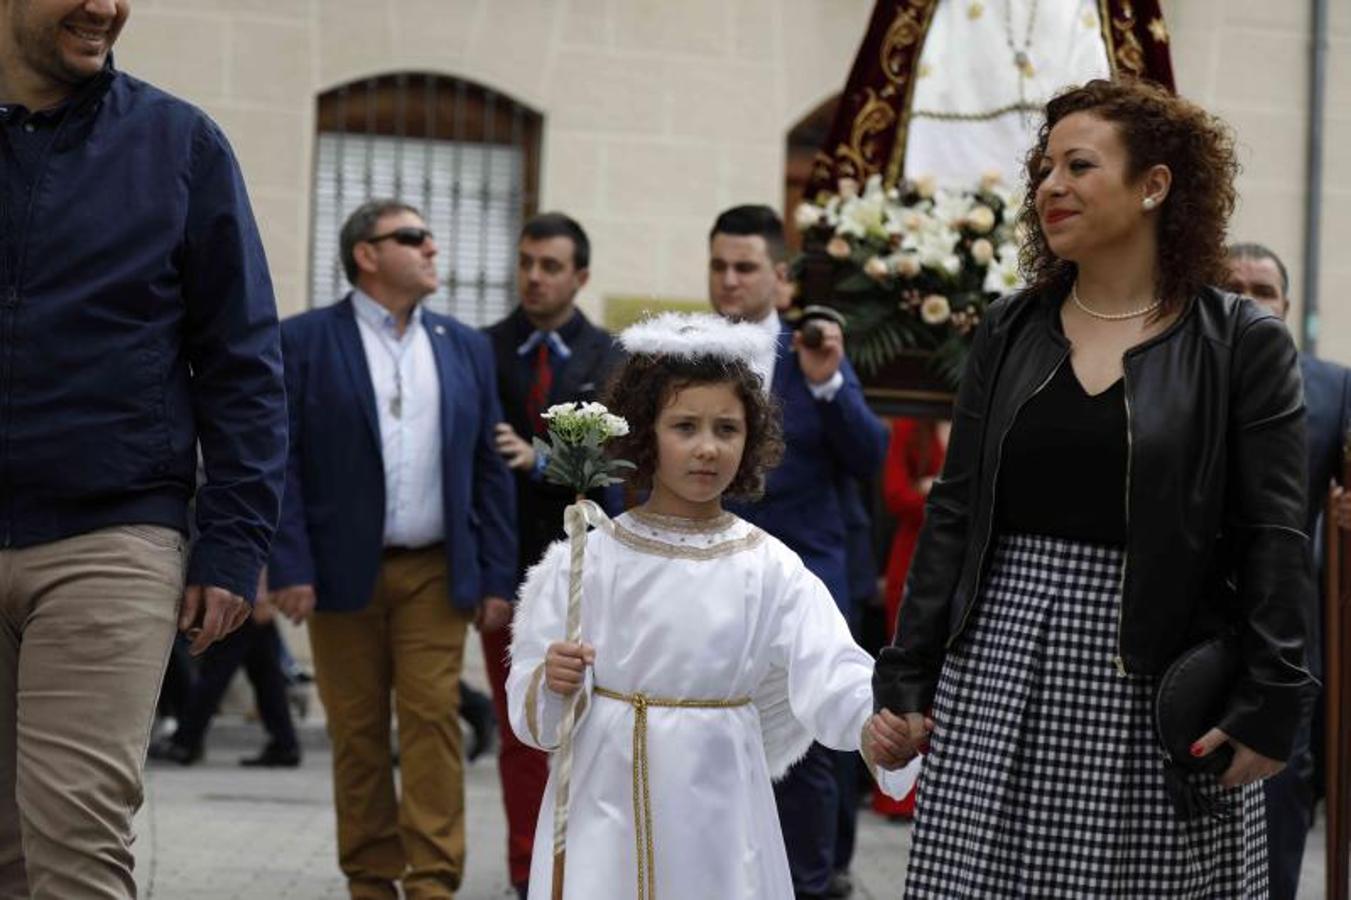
[407, 236]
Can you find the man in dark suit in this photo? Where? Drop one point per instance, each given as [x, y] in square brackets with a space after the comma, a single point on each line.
[547, 352]
[829, 433]
[398, 530]
[1257, 272]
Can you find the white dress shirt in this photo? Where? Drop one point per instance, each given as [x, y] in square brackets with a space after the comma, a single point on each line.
[763, 364]
[408, 404]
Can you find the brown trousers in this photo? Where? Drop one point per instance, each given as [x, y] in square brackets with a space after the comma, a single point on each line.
[86, 624]
[410, 641]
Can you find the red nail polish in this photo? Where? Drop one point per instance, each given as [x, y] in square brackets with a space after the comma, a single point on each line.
[1198, 749]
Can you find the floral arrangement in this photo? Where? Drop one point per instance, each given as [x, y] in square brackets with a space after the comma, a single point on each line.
[577, 432]
[913, 266]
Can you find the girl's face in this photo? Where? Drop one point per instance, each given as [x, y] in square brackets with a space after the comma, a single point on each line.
[701, 435]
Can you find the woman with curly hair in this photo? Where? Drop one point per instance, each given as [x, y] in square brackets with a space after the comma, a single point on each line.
[711, 656]
[1125, 478]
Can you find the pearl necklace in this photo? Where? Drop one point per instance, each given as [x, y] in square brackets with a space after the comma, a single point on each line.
[1111, 317]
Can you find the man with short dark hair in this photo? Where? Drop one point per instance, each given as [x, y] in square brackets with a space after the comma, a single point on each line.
[1257, 272]
[137, 321]
[547, 352]
[829, 434]
[398, 530]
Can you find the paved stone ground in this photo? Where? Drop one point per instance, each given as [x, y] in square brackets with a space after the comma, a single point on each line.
[218, 832]
[215, 831]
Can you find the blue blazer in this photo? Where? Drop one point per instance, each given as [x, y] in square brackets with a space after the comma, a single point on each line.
[333, 511]
[1327, 406]
[824, 441]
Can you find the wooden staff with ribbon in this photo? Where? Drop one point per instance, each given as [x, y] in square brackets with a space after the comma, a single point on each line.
[576, 460]
[575, 526]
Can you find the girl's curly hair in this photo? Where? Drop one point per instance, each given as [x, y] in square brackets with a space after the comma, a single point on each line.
[1157, 127]
[644, 385]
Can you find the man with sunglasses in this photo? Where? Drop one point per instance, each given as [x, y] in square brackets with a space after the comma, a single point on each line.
[397, 532]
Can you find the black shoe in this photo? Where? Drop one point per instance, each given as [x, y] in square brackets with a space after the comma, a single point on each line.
[523, 890]
[167, 750]
[482, 730]
[841, 885]
[273, 757]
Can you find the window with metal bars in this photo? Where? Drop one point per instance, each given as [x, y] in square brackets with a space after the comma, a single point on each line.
[464, 155]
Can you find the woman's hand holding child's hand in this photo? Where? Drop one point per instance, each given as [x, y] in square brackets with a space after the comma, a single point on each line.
[891, 741]
[565, 666]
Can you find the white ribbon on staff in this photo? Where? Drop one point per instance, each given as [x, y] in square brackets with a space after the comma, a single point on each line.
[576, 519]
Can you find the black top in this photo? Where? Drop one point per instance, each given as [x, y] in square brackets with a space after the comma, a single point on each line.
[1063, 469]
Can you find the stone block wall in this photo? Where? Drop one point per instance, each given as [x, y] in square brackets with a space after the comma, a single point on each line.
[659, 114]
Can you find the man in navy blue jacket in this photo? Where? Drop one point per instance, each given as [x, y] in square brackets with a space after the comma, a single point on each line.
[398, 530]
[829, 433]
[136, 320]
[1256, 271]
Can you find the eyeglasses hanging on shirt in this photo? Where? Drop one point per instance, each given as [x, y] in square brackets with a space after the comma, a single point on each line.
[396, 354]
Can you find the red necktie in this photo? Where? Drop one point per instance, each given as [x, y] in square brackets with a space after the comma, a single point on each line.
[537, 401]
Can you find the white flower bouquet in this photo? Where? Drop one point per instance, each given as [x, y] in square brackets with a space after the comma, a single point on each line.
[577, 433]
[912, 266]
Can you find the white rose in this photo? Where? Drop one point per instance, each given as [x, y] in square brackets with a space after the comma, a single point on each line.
[559, 409]
[926, 186]
[935, 309]
[807, 215]
[848, 188]
[838, 248]
[990, 179]
[876, 268]
[982, 251]
[980, 219]
[907, 265]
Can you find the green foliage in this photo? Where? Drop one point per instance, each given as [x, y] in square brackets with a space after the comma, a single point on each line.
[582, 466]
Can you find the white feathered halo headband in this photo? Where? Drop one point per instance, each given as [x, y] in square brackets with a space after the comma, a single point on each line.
[695, 336]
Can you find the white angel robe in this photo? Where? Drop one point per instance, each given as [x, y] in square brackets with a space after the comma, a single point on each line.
[682, 610]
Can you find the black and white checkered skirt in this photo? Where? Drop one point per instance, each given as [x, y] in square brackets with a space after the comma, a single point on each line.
[1044, 777]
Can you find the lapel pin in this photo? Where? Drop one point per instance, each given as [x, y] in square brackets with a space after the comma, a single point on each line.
[440, 329]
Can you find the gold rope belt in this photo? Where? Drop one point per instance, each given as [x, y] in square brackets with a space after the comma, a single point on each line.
[642, 799]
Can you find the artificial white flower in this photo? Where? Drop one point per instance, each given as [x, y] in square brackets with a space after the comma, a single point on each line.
[935, 309]
[935, 247]
[980, 219]
[876, 268]
[952, 207]
[1002, 276]
[982, 251]
[906, 264]
[838, 248]
[848, 188]
[808, 215]
[573, 424]
[863, 217]
[926, 186]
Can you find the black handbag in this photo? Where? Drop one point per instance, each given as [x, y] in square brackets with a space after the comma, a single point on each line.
[1189, 701]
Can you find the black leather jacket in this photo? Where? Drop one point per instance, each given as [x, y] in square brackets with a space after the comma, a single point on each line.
[1215, 497]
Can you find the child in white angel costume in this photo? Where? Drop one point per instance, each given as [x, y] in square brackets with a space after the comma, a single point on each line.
[710, 656]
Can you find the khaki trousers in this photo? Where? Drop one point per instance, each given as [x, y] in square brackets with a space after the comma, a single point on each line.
[410, 641]
[85, 629]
